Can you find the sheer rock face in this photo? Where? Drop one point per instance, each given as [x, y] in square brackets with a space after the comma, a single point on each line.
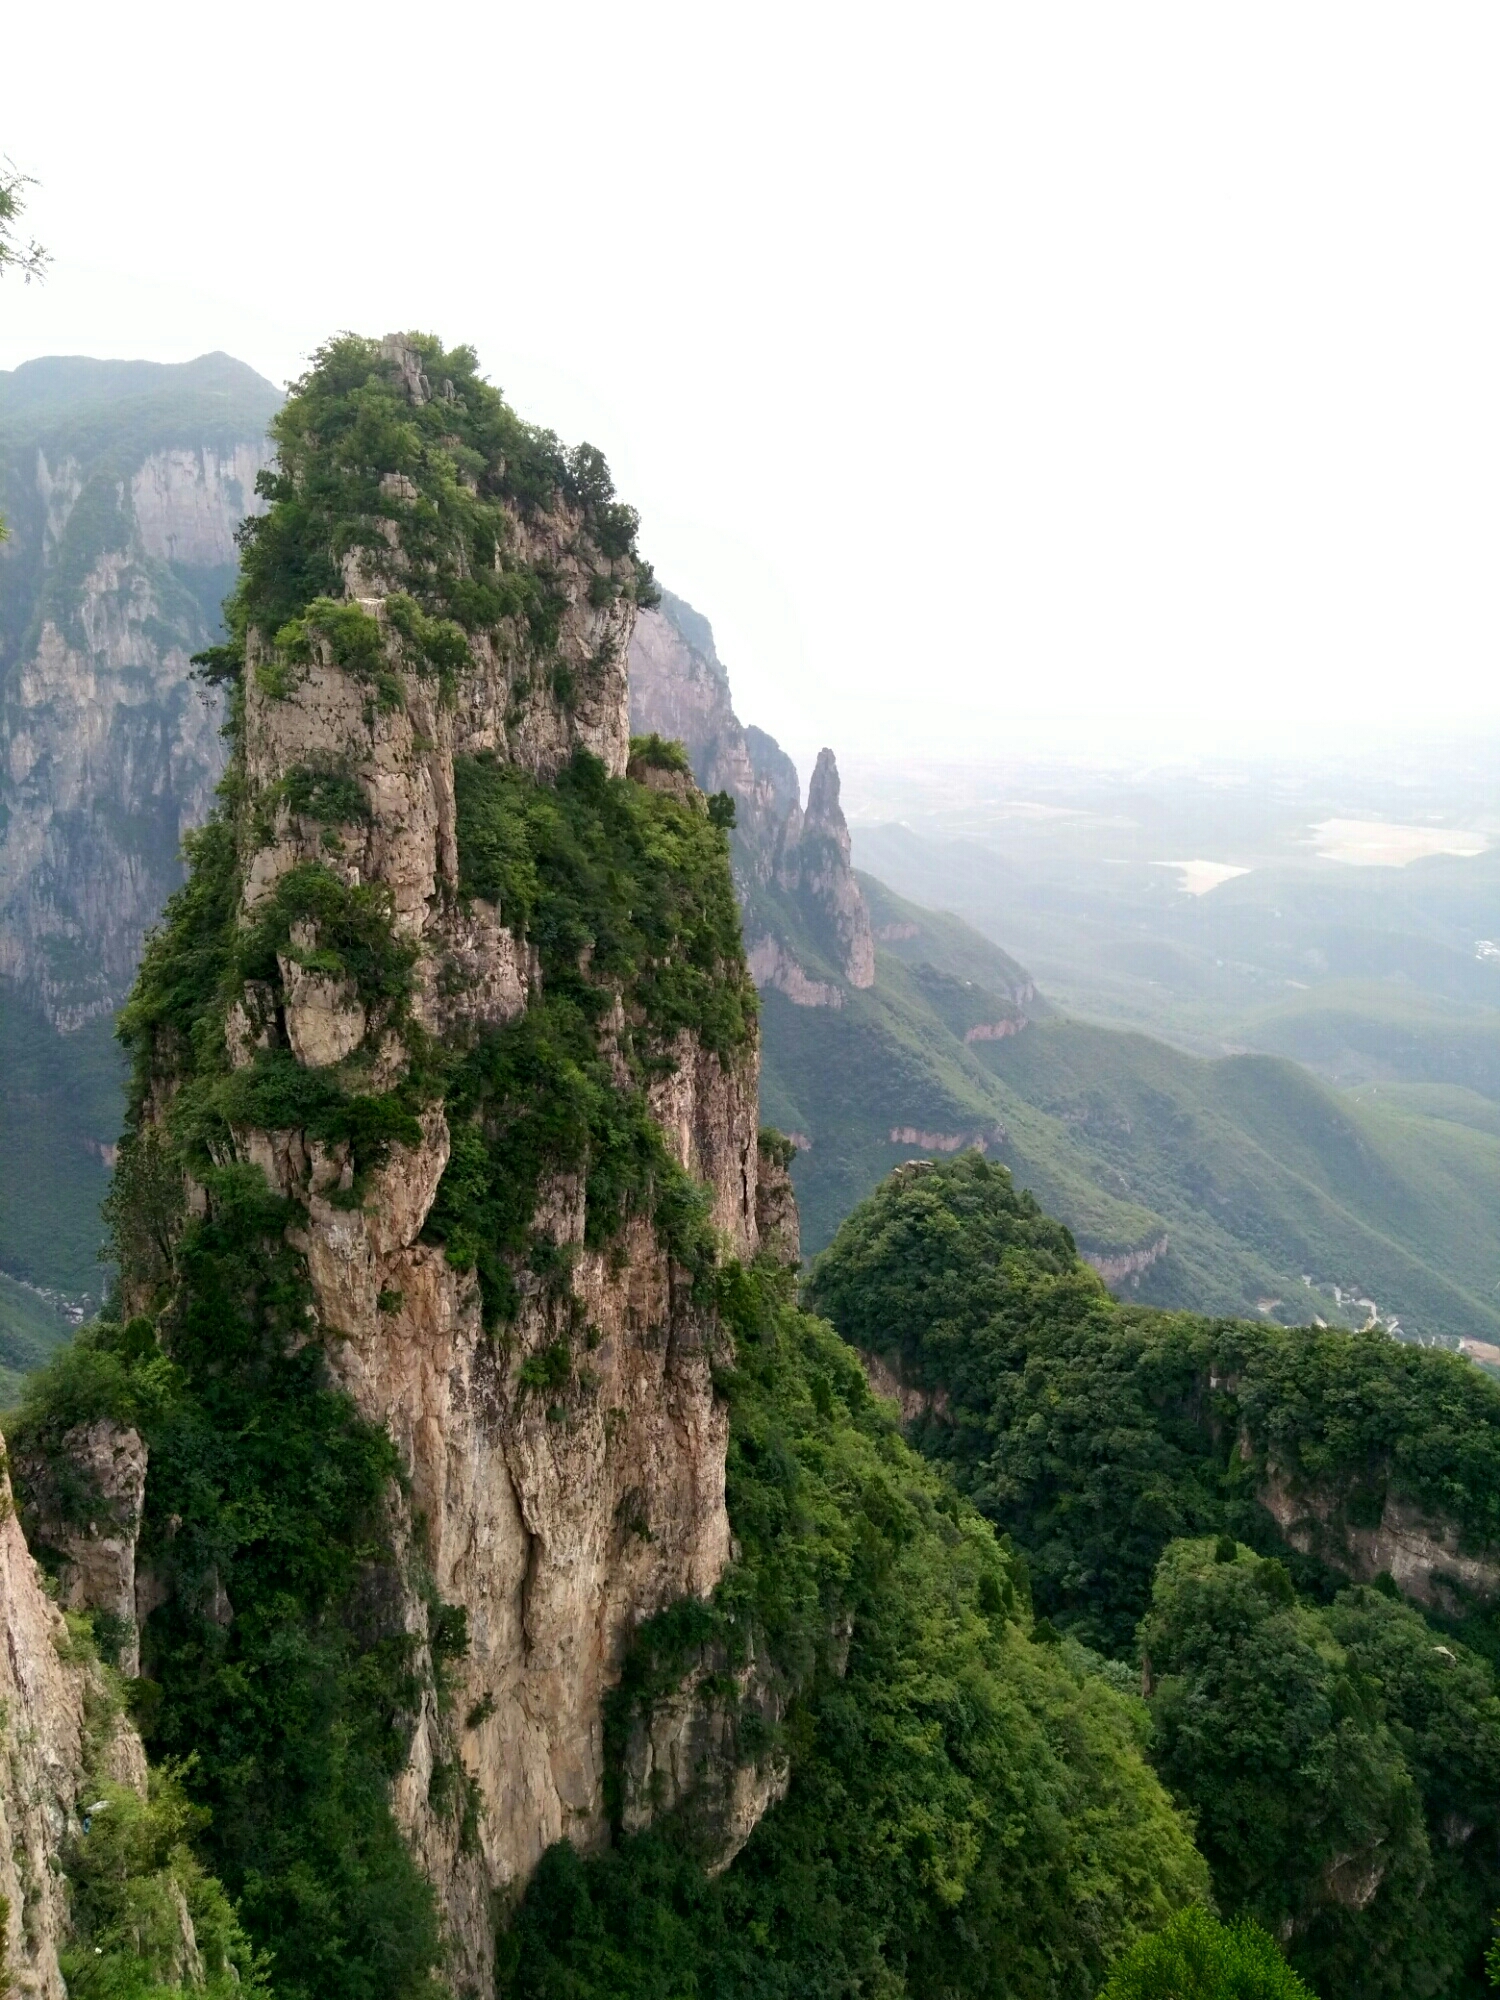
[776, 1217]
[107, 756]
[557, 1517]
[45, 1697]
[120, 551]
[188, 503]
[105, 1461]
[679, 690]
[1424, 1556]
[807, 928]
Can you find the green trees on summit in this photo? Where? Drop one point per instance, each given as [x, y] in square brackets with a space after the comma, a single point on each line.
[359, 461]
[1194, 1958]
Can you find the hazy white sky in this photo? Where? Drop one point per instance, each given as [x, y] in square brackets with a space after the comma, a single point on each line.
[961, 360]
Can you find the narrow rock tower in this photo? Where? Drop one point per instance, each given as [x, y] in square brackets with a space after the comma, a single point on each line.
[470, 995]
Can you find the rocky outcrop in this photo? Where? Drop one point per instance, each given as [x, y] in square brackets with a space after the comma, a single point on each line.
[559, 1518]
[122, 516]
[995, 1031]
[776, 1220]
[946, 1142]
[1423, 1556]
[818, 863]
[86, 1507]
[684, 1755]
[773, 967]
[58, 1732]
[565, 1469]
[885, 1379]
[807, 928]
[1115, 1267]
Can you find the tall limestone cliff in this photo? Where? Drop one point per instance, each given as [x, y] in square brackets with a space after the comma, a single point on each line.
[60, 1731]
[459, 982]
[807, 929]
[122, 485]
[866, 1060]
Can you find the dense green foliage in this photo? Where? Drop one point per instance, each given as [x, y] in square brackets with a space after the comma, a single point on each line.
[132, 1873]
[356, 454]
[1097, 1433]
[622, 890]
[969, 1811]
[617, 886]
[271, 1664]
[1193, 1957]
[1341, 1764]
[1327, 1749]
[1306, 1810]
[1442, 1708]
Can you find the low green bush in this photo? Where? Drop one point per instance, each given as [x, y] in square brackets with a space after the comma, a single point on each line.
[1194, 1957]
[133, 1875]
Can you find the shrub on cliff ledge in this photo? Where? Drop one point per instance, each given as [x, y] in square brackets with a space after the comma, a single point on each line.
[627, 895]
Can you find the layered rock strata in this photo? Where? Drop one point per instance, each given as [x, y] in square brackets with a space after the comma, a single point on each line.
[122, 494]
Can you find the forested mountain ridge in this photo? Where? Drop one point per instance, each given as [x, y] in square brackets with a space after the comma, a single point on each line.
[1236, 1511]
[457, 1483]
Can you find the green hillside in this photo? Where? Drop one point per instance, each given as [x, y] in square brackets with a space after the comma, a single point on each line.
[1362, 1031]
[62, 1105]
[1257, 1172]
[1300, 1710]
[1264, 1174]
[31, 1329]
[893, 1059]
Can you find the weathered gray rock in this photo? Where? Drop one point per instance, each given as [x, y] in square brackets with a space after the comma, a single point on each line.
[776, 1220]
[122, 515]
[684, 1756]
[557, 1519]
[1425, 1557]
[50, 1696]
[793, 871]
[86, 1507]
